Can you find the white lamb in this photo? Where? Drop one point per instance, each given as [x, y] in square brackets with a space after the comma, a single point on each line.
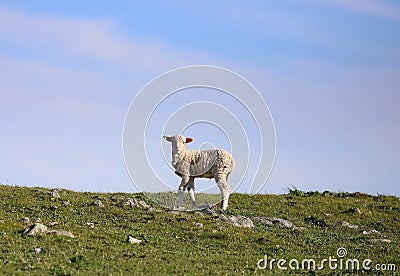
[190, 164]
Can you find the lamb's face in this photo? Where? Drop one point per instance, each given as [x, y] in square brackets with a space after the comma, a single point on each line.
[178, 142]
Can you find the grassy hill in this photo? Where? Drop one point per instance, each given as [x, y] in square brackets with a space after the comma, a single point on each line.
[185, 243]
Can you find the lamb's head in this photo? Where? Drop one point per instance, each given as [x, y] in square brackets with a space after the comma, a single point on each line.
[178, 142]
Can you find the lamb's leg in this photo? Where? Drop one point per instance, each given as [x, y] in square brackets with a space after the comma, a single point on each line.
[227, 192]
[182, 186]
[225, 189]
[191, 191]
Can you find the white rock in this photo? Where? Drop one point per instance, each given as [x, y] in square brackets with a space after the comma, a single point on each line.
[381, 240]
[209, 211]
[131, 202]
[174, 212]
[55, 194]
[37, 250]
[98, 203]
[180, 209]
[369, 232]
[346, 224]
[60, 233]
[39, 228]
[133, 240]
[240, 221]
[35, 229]
[90, 224]
[282, 223]
[25, 220]
[264, 220]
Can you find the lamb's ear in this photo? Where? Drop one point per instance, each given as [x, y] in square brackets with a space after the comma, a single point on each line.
[188, 140]
[168, 138]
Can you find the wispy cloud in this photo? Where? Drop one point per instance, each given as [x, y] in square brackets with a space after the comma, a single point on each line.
[263, 19]
[96, 39]
[301, 27]
[54, 90]
[379, 8]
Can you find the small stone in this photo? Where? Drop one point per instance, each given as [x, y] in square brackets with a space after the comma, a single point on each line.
[38, 250]
[180, 209]
[346, 224]
[60, 233]
[131, 202]
[173, 212]
[264, 220]
[53, 223]
[224, 218]
[245, 221]
[98, 203]
[209, 211]
[240, 221]
[133, 240]
[370, 232]
[66, 202]
[90, 224]
[35, 229]
[25, 220]
[151, 209]
[381, 240]
[55, 194]
[37, 220]
[198, 224]
[205, 206]
[53, 207]
[282, 223]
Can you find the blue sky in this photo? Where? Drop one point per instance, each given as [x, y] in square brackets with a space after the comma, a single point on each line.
[328, 70]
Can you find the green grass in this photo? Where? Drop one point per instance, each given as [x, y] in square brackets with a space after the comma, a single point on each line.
[173, 245]
[169, 199]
